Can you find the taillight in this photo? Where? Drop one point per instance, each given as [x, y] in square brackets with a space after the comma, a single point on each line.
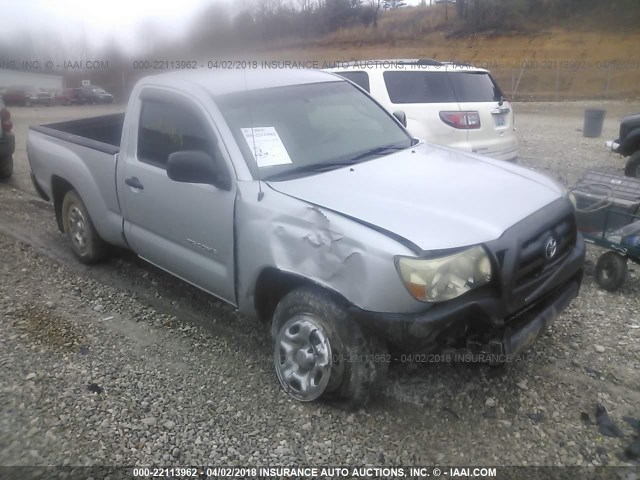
[461, 120]
[5, 119]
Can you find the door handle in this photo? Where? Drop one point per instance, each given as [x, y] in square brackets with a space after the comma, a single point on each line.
[133, 182]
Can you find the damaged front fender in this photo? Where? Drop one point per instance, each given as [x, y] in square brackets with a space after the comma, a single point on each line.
[284, 233]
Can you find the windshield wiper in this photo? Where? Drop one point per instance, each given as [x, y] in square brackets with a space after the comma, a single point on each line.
[376, 151]
[326, 166]
[315, 167]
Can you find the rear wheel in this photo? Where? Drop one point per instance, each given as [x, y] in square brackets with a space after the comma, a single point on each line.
[611, 271]
[85, 241]
[320, 351]
[632, 168]
[6, 167]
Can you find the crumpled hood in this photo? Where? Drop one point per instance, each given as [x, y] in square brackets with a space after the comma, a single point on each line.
[434, 197]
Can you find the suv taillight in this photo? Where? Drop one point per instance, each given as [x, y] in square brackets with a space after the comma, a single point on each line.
[5, 118]
[461, 120]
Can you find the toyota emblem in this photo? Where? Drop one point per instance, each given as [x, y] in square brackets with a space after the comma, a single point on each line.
[551, 248]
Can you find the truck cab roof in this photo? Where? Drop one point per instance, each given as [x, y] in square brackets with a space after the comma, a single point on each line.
[222, 82]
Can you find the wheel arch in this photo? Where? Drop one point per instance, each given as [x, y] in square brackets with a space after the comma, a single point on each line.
[59, 188]
[273, 284]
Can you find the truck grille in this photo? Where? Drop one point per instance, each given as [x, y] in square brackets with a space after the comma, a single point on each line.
[533, 262]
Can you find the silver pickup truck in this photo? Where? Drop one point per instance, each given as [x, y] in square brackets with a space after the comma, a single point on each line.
[298, 199]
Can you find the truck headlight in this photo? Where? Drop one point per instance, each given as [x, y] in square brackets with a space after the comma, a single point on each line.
[444, 278]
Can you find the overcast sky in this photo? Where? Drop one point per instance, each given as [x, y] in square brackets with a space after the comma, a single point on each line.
[102, 21]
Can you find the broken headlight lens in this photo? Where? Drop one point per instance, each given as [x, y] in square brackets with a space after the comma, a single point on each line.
[445, 278]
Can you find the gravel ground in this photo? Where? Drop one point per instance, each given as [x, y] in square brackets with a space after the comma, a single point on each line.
[121, 364]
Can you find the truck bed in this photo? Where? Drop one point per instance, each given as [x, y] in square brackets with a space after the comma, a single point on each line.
[101, 133]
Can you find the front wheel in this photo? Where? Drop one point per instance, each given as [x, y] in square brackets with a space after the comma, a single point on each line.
[6, 167]
[83, 237]
[320, 351]
[611, 271]
[632, 168]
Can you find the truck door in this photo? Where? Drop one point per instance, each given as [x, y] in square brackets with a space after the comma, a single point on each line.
[184, 228]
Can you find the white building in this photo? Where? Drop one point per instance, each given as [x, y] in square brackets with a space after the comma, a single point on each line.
[41, 80]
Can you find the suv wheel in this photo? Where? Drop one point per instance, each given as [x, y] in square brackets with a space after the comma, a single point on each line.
[320, 351]
[83, 237]
[632, 168]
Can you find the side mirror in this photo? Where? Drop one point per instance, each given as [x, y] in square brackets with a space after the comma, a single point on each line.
[194, 166]
[401, 116]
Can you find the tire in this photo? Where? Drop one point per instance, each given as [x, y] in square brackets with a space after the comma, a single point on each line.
[611, 271]
[314, 334]
[85, 242]
[632, 168]
[6, 167]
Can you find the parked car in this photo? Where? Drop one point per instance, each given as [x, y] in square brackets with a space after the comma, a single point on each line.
[453, 105]
[331, 222]
[27, 96]
[628, 144]
[68, 96]
[7, 143]
[94, 94]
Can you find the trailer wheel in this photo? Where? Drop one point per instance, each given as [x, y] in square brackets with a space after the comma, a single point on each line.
[85, 242]
[611, 271]
[320, 351]
[6, 167]
[632, 168]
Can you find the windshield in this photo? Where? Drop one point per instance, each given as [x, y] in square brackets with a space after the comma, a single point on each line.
[296, 128]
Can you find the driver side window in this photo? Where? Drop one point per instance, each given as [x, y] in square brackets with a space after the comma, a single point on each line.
[166, 128]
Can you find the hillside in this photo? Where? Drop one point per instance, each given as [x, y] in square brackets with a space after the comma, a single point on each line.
[587, 57]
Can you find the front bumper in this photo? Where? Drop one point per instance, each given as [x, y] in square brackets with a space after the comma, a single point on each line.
[507, 319]
[7, 145]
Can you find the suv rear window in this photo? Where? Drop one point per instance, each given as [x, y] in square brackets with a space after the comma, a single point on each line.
[474, 87]
[441, 87]
[419, 87]
[359, 78]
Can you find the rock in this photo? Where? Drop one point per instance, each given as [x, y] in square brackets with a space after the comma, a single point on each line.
[522, 385]
[169, 425]
[599, 348]
[150, 421]
[605, 424]
[536, 417]
[490, 402]
[31, 376]
[175, 452]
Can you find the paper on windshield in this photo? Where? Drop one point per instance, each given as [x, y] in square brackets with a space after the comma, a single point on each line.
[266, 146]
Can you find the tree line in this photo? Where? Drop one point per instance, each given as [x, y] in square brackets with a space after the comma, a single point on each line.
[266, 20]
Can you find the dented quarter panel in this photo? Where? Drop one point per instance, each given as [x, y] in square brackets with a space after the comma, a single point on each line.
[319, 245]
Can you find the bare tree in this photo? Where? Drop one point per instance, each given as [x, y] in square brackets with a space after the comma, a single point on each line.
[376, 5]
[461, 8]
[393, 4]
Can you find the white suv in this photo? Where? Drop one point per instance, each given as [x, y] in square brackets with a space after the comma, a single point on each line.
[445, 103]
